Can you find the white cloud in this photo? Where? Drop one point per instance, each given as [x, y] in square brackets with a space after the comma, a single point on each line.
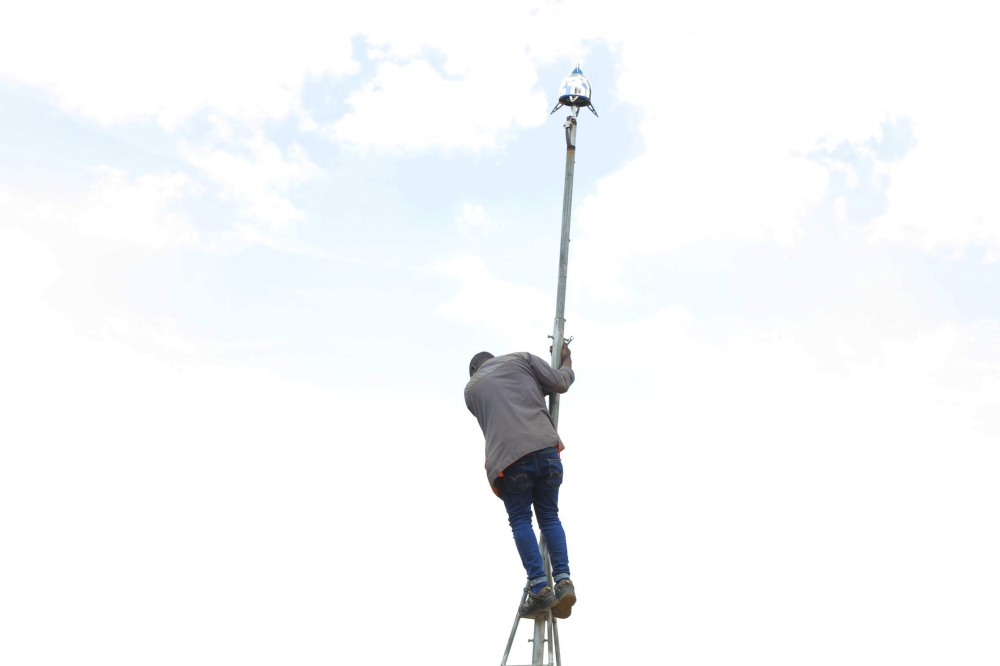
[943, 196]
[652, 205]
[250, 65]
[161, 336]
[413, 107]
[725, 137]
[137, 209]
[731, 102]
[257, 183]
[118, 207]
[114, 63]
[147, 210]
[858, 495]
[483, 85]
[247, 65]
[27, 266]
[148, 494]
[515, 313]
[473, 219]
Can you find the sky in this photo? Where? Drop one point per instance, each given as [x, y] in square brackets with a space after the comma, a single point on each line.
[247, 251]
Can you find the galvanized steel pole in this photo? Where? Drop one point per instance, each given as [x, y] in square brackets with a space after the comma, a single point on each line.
[575, 93]
[558, 340]
[559, 331]
[559, 326]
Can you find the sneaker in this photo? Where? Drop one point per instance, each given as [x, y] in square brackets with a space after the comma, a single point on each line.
[566, 596]
[537, 604]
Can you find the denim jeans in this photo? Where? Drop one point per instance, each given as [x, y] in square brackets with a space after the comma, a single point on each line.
[535, 479]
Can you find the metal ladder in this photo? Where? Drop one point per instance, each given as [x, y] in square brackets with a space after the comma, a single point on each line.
[546, 629]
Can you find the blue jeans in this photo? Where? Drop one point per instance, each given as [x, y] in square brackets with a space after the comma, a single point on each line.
[535, 479]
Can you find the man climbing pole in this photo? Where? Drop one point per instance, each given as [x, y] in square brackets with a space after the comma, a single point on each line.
[506, 394]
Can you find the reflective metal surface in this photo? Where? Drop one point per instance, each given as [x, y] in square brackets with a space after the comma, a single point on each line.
[575, 89]
[575, 92]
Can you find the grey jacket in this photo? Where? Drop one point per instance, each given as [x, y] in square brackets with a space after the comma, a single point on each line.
[507, 396]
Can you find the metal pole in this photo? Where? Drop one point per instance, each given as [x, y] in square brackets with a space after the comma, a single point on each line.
[575, 92]
[559, 326]
[558, 334]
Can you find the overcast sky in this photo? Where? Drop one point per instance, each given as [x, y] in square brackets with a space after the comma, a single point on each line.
[246, 254]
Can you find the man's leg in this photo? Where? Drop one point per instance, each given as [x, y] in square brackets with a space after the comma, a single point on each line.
[515, 490]
[546, 501]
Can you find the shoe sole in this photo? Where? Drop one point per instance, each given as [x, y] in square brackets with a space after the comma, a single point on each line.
[564, 608]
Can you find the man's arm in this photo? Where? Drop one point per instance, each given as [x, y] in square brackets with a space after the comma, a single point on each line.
[550, 379]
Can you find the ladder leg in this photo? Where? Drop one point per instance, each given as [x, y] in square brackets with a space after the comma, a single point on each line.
[552, 630]
[555, 640]
[538, 644]
[513, 630]
[550, 626]
[545, 631]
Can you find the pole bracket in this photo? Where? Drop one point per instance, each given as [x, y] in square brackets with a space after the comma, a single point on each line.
[570, 125]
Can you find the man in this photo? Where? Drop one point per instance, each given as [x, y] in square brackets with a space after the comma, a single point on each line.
[507, 395]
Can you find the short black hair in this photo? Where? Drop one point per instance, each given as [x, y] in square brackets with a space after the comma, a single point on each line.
[478, 360]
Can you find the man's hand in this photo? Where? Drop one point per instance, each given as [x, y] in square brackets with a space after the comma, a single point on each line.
[567, 357]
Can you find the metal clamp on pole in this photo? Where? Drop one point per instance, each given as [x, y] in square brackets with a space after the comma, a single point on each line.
[570, 126]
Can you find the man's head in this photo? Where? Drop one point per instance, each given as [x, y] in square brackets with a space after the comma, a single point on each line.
[477, 361]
